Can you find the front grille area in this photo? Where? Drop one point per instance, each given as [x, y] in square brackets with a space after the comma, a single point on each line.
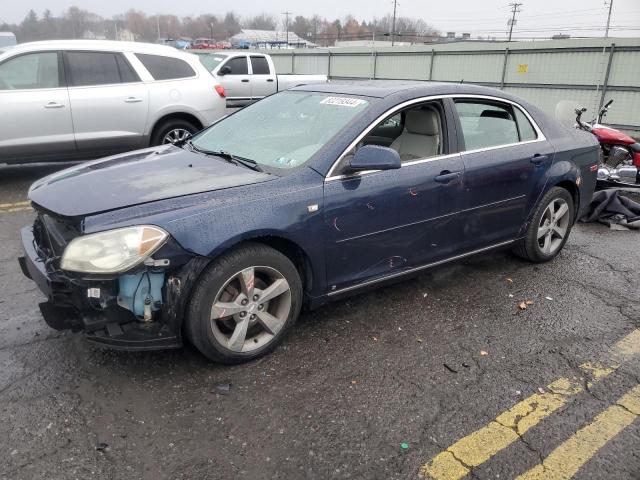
[52, 234]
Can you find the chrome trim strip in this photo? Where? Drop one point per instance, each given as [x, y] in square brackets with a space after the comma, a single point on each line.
[393, 110]
[417, 269]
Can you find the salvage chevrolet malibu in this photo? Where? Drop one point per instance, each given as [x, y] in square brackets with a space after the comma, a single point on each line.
[301, 198]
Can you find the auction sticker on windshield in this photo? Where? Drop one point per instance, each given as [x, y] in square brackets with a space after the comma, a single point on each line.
[343, 101]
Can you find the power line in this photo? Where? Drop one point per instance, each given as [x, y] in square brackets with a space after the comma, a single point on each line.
[515, 8]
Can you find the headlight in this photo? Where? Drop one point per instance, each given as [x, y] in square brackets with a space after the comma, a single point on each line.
[112, 251]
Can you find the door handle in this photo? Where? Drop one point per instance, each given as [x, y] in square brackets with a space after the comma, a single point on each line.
[538, 159]
[269, 79]
[446, 176]
[54, 105]
[245, 80]
[132, 100]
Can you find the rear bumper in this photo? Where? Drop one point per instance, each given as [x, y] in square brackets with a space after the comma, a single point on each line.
[113, 327]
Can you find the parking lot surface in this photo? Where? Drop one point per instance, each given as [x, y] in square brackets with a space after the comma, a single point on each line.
[441, 376]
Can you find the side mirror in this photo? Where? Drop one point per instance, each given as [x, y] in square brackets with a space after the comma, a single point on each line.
[224, 70]
[374, 157]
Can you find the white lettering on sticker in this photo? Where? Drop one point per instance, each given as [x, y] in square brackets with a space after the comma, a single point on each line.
[343, 101]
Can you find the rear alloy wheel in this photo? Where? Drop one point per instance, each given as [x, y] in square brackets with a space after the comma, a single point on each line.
[172, 131]
[244, 304]
[550, 227]
[176, 135]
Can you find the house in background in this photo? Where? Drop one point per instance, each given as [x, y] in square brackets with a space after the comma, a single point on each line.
[7, 39]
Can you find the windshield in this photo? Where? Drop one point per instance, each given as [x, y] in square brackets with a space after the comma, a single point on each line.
[282, 131]
[211, 61]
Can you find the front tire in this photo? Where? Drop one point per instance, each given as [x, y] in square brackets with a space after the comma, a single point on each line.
[244, 304]
[550, 227]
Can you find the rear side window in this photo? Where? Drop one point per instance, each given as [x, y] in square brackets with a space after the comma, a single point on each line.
[260, 66]
[486, 125]
[166, 68]
[92, 68]
[238, 66]
[31, 71]
[527, 132]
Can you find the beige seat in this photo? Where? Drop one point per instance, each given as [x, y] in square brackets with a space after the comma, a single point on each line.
[421, 135]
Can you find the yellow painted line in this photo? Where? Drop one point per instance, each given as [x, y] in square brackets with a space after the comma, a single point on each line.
[15, 204]
[478, 447]
[15, 207]
[565, 461]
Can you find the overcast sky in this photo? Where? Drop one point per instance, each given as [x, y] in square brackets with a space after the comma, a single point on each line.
[486, 17]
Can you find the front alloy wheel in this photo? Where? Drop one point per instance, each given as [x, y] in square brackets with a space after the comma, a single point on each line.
[243, 304]
[251, 308]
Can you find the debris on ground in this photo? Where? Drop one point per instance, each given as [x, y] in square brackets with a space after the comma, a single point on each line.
[541, 390]
[510, 280]
[483, 353]
[451, 369]
[524, 304]
[465, 365]
[511, 295]
[101, 446]
[222, 388]
[549, 298]
[375, 339]
[404, 446]
[419, 340]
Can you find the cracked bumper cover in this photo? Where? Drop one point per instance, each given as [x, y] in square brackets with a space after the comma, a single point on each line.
[113, 327]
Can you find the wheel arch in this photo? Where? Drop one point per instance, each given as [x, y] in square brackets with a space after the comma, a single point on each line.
[572, 188]
[288, 247]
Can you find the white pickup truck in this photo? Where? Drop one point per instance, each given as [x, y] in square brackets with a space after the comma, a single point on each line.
[247, 77]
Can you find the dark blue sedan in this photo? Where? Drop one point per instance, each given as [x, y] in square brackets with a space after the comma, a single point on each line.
[299, 199]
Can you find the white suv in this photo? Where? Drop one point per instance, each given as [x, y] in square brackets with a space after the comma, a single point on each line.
[81, 99]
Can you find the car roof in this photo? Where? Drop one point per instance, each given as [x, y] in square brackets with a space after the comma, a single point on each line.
[107, 45]
[385, 88]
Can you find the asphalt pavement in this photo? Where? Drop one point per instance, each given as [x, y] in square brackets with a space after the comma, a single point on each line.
[441, 376]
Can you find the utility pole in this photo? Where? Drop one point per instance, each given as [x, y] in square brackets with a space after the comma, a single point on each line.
[286, 14]
[610, 5]
[158, 25]
[393, 26]
[515, 8]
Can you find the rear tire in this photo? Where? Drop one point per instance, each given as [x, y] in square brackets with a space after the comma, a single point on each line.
[244, 304]
[549, 228]
[172, 128]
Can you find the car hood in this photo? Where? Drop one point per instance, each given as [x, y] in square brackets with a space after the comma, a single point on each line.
[137, 177]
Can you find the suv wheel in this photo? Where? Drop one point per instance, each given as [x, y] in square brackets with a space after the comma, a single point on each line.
[172, 131]
[244, 304]
[550, 227]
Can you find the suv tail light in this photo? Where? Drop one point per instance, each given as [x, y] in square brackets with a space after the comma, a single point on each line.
[220, 90]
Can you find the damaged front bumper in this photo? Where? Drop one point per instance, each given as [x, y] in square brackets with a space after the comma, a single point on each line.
[95, 306]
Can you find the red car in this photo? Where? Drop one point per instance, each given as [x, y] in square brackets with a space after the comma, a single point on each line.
[204, 43]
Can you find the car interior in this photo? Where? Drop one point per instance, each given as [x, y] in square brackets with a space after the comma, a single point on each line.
[415, 133]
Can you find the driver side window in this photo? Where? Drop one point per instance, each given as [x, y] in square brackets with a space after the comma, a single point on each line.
[29, 72]
[415, 132]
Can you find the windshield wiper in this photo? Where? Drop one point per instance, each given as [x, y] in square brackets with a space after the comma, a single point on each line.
[229, 157]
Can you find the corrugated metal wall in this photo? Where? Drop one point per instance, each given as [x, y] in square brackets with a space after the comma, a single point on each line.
[542, 72]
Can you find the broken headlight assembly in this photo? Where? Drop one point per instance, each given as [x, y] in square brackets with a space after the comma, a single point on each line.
[112, 251]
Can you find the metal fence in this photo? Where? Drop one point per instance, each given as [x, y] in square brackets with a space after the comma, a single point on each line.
[585, 72]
